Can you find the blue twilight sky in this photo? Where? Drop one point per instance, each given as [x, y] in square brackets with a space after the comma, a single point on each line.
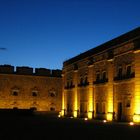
[44, 33]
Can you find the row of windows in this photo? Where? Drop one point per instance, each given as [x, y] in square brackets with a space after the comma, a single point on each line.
[34, 93]
[128, 71]
[101, 77]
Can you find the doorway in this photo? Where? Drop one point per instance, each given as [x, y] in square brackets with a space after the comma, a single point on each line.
[119, 111]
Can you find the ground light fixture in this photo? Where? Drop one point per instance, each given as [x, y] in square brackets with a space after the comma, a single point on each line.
[131, 123]
[85, 119]
[104, 121]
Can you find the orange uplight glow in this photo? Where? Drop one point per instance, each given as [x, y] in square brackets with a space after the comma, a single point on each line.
[109, 116]
[136, 118]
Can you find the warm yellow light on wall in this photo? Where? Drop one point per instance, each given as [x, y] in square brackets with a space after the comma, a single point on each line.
[75, 104]
[62, 112]
[90, 115]
[63, 105]
[90, 104]
[109, 116]
[75, 114]
[137, 105]
[136, 118]
[110, 107]
[110, 103]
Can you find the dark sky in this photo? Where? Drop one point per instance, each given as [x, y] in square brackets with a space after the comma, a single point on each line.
[44, 33]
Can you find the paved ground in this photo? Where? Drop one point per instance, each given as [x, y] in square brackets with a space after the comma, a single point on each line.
[46, 128]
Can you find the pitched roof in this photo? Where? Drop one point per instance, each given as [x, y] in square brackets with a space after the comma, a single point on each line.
[108, 45]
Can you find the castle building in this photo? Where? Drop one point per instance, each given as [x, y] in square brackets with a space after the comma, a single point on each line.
[21, 88]
[104, 82]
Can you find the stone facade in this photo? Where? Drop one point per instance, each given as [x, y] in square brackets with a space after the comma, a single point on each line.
[24, 89]
[104, 82]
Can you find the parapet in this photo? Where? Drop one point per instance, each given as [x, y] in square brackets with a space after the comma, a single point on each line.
[42, 72]
[24, 70]
[8, 69]
[56, 73]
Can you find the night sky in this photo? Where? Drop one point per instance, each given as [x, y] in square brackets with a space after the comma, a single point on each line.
[44, 33]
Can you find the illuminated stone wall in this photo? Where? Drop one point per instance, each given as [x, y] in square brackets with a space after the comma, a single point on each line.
[24, 89]
[104, 82]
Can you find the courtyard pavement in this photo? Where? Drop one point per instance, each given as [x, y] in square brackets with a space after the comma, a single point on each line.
[40, 127]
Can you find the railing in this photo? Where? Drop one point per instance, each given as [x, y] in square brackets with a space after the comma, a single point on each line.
[124, 77]
[69, 87]
[83, 84]
[100, 81]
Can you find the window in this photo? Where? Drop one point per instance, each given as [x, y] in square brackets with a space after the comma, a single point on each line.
[52, 109]
[97, 108]
[104, 75]
[67, 84]
[86, 80]
[103, 107]
[81, 81]
[33, 108]
[71, 83]
[128, 70]
[15, 93]
[68, 107]
[97, 77]
[120, 72]
[75, 67]
[128, 103]
[52, 94]
[34, 93]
